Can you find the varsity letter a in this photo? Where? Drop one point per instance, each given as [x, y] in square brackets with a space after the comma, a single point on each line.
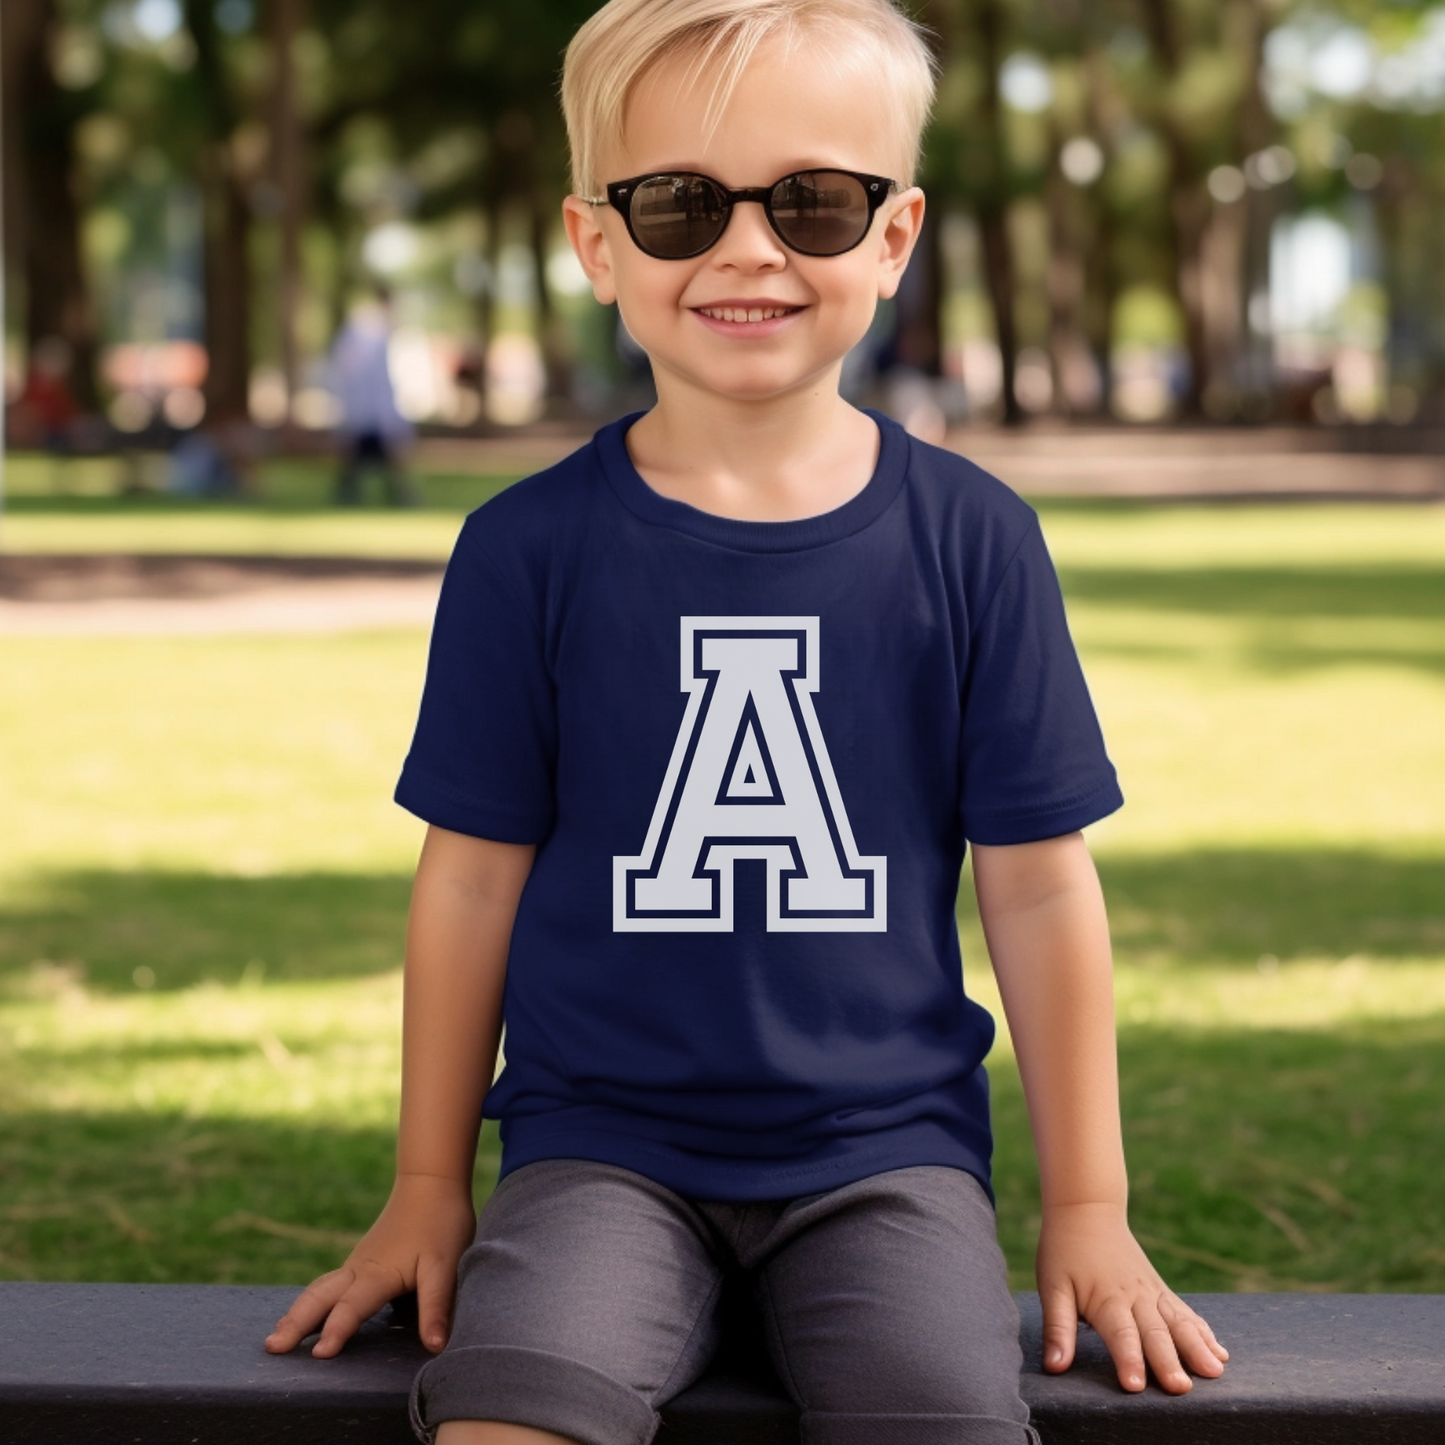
[749, 777]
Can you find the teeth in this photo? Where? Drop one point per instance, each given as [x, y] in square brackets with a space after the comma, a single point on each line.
[752, 313]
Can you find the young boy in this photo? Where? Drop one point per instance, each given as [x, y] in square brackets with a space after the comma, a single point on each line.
[712, 707]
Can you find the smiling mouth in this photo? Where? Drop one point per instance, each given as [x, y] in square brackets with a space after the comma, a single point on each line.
[746, 313]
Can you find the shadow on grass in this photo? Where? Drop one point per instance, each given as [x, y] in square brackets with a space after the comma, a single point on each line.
[1233, 905]
[189, 928]
[1273, 602]
[1200, 905]
[164, 1198]
[1266, 1159]
[1413, 590]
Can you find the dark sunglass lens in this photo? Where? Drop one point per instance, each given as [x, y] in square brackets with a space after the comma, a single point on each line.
[677, 216]
[821, 213]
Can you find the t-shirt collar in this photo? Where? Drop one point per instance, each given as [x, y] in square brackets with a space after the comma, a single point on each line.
[746, 536]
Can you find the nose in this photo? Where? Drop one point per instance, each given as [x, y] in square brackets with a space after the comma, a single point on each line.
[749, 242]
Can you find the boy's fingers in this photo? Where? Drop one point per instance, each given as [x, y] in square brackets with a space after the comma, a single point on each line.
[435, 1283]
[1120, 1334]
[1159, 1350]
[343, 1322]
[310, 1307]
[1210, 1338]
[1061, 1328]
[1196, 1346]
[369, 1290]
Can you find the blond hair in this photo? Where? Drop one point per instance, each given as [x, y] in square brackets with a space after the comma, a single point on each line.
[626, 39]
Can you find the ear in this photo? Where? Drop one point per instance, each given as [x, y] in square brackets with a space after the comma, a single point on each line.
[589, 241]
[902, 220]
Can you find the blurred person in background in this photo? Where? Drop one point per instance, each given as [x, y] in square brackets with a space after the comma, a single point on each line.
[374, 433]
[45, 411]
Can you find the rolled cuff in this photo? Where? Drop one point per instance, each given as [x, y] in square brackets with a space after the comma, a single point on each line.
[529, 1387]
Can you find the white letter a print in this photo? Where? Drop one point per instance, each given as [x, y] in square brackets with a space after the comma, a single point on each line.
[749, 777]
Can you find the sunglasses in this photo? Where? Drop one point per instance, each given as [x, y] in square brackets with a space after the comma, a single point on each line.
[680, 214]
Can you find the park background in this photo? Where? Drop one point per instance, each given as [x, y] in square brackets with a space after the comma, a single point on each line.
[1183, 287]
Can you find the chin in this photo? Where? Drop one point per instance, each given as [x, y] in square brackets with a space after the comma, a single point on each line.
[755, 384]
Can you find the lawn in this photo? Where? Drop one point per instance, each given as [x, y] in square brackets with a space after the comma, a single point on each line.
[203, 888]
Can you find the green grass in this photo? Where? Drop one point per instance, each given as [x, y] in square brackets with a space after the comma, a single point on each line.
[203, 888]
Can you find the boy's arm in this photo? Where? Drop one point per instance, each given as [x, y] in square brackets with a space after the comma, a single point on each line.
[460, 927]
[1043, 916]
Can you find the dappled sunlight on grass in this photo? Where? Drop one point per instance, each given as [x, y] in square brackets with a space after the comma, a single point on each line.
[326, 1053]
[167, 1196]
[1267, 1158]
[1282, 1116]
[240, 1133]
[1223, 754]
[244, 755]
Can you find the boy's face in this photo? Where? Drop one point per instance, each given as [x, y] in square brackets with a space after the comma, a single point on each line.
[785, 115]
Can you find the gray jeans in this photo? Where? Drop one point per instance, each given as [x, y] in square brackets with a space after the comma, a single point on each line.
[591, 1297]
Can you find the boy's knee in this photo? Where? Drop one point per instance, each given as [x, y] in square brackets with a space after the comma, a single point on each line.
[491, 1432]
[819, 1429]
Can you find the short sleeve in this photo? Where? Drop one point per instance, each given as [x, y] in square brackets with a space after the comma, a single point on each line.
[1033, 763]
[483, 758]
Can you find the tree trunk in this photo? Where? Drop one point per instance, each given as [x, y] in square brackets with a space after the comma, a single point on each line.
[988, 20]
[1402, 349]
[1075, 384]
[1255, 355]
[227, 230]
[493, 215]
[1188, 205]
[551, 336]
[290, 173]
[42, 215]
[227, 288]
[921, 299]
[1105, 117]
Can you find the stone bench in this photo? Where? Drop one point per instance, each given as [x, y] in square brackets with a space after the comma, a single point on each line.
[107, 1364]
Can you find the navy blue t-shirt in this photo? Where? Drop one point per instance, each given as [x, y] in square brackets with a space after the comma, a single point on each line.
[750, 754]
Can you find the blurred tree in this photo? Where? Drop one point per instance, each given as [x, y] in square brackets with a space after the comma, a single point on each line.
[993, 194]
[330, 138]
[1187, 200]
[460, 71]
[1079, 256]
[1398, 171]
[42, 209]
[290, 177]
[225, 165]
[1104, 120]
[967, 163]
[1242, 360]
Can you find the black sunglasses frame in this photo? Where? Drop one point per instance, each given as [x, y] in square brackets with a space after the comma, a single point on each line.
[876, 189]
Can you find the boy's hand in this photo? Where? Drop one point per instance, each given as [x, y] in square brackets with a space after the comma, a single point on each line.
[415, 1243]
[1091, 1267]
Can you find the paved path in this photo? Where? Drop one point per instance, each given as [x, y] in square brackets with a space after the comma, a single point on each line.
[1198, 466]
[1053, 460]
[125, 596]
[111, 596]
